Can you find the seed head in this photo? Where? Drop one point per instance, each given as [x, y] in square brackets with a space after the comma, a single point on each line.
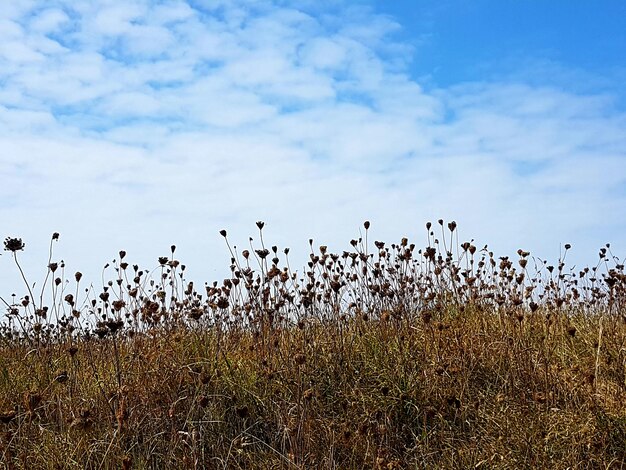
[242, 412]
[13, 244]
[262, 253]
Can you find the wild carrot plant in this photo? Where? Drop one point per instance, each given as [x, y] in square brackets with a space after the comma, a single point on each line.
[437, 355]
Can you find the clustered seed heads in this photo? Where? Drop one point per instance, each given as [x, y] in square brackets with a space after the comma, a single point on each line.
[395, 282]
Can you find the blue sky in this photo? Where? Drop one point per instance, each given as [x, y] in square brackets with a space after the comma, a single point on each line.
[459, 41]
[139, 124]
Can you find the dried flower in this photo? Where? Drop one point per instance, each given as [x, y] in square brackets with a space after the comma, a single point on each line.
[13, 244]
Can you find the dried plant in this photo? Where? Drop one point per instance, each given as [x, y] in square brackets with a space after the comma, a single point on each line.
[402, 355]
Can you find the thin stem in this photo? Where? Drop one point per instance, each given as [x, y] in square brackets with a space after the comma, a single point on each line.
[23, 275]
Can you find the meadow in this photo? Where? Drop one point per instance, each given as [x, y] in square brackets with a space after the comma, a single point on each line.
[384, 356]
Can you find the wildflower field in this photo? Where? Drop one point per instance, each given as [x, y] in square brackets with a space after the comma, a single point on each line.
[385, 356]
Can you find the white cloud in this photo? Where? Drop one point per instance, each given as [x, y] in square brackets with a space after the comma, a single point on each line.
[48, 21]
[140, 126]
[116, 19]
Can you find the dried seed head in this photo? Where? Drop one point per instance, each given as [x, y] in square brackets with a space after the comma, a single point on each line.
[366, 224]
[203, 401]
[13, 244]
[260, 224]
[242, 412]
[262, 253]
[223, 233]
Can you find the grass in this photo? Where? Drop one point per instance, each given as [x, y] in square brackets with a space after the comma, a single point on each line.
[387, 357]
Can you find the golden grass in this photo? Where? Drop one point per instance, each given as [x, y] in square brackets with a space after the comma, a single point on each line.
[324, 371]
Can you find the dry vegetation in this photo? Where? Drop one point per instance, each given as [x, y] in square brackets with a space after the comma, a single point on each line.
[388, 357]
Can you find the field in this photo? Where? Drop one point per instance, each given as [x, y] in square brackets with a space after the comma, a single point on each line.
[387, 356]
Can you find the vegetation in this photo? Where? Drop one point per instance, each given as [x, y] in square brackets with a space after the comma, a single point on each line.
[386, 357]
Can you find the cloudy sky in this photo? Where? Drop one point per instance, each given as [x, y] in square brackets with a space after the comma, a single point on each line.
[137, 124]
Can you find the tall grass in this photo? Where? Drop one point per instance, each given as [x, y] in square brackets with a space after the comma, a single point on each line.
[382, 356]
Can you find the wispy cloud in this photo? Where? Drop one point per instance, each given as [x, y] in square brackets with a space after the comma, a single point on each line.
[139, 124]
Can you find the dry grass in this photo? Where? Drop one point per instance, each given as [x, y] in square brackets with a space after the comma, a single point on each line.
[386, 357]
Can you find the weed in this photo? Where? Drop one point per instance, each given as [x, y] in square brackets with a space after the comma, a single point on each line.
[385, 356]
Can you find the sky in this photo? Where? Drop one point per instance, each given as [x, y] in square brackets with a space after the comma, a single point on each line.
[137, 124]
